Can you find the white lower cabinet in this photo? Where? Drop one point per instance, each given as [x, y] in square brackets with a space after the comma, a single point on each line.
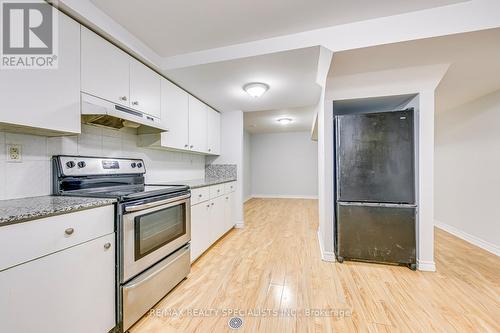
[217, 222]
[229, 211]
[200, 229]
[68, 291]
[57, 274]
[210, 219]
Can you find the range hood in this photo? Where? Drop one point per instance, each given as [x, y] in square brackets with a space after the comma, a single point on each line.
[100, 112]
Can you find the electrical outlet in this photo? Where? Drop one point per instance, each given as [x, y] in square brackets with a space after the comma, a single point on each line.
[14, 153]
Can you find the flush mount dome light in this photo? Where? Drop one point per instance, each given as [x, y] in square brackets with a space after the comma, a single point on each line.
[256, 89]
[284, 121]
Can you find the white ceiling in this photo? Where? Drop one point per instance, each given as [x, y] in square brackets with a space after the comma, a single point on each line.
[172, 27]
[474, 59]
[291, 76]
[266, 121]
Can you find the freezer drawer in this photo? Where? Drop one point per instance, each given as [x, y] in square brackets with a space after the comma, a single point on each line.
[376, 233]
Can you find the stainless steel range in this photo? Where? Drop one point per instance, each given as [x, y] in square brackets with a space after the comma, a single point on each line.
[153, 227]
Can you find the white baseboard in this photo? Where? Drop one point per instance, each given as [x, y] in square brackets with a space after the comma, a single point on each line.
[492, 248]
[283, 196]
[239, 225]
[426, 266]
[247, 198]
[325, 255]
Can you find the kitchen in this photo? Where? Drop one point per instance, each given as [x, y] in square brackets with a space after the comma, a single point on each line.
[183, 182]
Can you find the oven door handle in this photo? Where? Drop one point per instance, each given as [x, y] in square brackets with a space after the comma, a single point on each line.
[136, 208]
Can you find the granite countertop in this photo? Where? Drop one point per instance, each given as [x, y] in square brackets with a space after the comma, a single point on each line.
[25, 209]
[197, 183]
[214, 174]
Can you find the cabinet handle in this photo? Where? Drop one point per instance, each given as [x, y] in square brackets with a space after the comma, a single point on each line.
[200, 195]
[213, 204]
[69, 231]
[107, 246]
[208, 206]
[185, 146]
[218, 191]
[191, 146]
[209, 149]
[227, 198]
[123, 98]
[135, 103]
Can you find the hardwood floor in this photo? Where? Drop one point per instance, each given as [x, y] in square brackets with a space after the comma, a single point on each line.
[274, 263]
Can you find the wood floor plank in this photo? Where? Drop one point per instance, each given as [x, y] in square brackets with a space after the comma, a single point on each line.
[274, 264]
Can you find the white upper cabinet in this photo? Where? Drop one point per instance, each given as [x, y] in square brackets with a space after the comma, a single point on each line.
[175, 116]
[105, 69]
[145, 89]
[213, 131]
[197, 125]
[191, 124]
[45, 101]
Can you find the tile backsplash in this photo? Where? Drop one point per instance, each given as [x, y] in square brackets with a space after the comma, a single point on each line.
[32, 176]
[221, 171]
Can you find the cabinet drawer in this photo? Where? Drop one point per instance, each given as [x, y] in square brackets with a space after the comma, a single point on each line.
[34, 239]
[229, 187]
[216, 191]
[199, 195]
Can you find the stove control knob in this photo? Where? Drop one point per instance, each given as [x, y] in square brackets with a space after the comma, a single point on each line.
[133, 164]
[70, 164]
[139, 165]
[82, 164]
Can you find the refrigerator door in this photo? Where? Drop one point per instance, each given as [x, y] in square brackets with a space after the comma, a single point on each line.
[377, 233]
[375, 157]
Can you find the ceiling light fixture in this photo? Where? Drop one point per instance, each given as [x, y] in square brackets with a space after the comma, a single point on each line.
[256, 89]
[284, 121]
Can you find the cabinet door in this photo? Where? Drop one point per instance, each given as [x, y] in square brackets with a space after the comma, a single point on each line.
[229, 211]
[105, 69]
[213, 131]
[175, 116]
[197, 125]
[145, 89]
[217, 220]
[68, 291]
[200, 231]
[47, 99]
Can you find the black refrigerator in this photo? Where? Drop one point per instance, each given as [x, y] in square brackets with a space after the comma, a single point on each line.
[375, 187]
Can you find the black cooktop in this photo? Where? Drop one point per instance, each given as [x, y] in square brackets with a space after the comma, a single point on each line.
[126, 192]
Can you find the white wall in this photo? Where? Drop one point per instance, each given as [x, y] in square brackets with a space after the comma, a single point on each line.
[232, 153]
[247, 174]
[324, 122]
[32, 177]
[284, 165]
[467, 169]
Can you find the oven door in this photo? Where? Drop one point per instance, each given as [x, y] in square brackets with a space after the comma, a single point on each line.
[152, 231]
